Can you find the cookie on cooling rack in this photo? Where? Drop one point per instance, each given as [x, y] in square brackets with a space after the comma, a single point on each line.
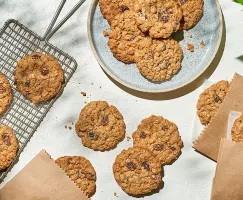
[100, 126]
[160, 136]
[124, 37]
[210, 100]
[8, 146]
[137, 171]
[192, 12]
[39, 77]
[5, 94]
[111, 8]
[81, 171]
[158, 59]
[160, 18]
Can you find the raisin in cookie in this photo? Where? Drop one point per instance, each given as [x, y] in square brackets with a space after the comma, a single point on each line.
[100, 126]
[81, 171]
[5, 94]
[160, 136]
[158, 59]
[111, 8]
[192, 11]
[124, 37]
[8, 146]
[137, 171]
[210, 100]
[158, 17]
[38, 77]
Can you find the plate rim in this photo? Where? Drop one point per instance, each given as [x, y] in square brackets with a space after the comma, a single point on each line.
[103, 66]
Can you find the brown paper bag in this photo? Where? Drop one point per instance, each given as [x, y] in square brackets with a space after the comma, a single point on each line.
[228, 180]
[209, 141]
[41, 179]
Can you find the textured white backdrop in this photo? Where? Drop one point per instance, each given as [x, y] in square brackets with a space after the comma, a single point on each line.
[190, 177]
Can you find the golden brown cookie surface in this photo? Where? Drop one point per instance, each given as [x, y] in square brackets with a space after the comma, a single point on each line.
[137, 171]
[192, 11]
[124, 37]
[160, 18]
[237, 130]
[5, 94]
[158, 59]
[81, 171]
[210, 100]
[111, 8]
[8, 146]
[38, 77]
[160, 136]
[100, 126]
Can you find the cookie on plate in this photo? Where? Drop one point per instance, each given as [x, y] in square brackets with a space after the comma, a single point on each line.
[192, 12]
[210, 100]
[137, 171]
[160, 136]
[8, 146]
[111, 8]
[100, 126]
[81, 171]
[5, 94]
[124, 37]
[160, 18]
[158, 59]
[39, 77]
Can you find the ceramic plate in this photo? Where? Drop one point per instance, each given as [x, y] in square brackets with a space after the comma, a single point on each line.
[209, 29]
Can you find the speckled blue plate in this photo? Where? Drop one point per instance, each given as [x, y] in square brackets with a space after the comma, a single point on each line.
[209, 29]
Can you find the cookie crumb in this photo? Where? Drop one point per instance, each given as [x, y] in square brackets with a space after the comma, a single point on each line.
[115, 194]
[70, 128]
[65, 126]
[128, 138]
[83, 93]
[190, 47]
[190, 36]
[105, 33]
[202, 44]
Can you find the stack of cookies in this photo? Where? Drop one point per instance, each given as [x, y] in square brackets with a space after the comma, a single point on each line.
[140, 32]
[139, 169]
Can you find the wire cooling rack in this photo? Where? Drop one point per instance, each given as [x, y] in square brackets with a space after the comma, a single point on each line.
[23, 116]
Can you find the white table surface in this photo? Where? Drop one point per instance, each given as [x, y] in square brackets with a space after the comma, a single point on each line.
[190, 177]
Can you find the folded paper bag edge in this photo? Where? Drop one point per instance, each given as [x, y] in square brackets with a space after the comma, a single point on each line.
[29, 176]
[220, 188]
